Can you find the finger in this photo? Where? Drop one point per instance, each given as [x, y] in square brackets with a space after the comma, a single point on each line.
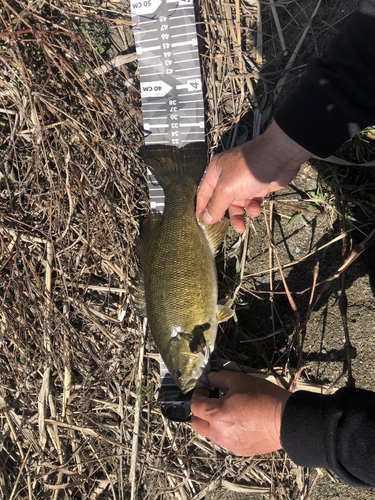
[253, 208]
[201, 404]
[224, 380]
[237, 218]
[200, 426]
[207, 186]
[200, 393]
[217, 205]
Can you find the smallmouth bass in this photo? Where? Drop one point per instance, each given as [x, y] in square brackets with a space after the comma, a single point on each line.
[177, 257]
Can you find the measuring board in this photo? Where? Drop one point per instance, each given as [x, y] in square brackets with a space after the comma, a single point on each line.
[170, 77]
[173, 112]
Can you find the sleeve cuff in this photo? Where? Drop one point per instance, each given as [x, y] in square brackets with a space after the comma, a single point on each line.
[303, 431]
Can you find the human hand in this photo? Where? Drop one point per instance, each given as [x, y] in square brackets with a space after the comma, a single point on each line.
[247, 420]
[239, 179]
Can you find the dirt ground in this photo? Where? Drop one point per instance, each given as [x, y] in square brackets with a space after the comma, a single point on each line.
[323, 349]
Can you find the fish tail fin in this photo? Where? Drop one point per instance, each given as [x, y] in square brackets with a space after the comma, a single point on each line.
[169, 162]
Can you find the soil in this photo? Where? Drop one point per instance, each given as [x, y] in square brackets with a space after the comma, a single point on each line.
[296, 236]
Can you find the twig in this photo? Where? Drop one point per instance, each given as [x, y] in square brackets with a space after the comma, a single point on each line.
[284, 48]
[289, 65]
[137, 412]
[85, 430]
[245, 245]
[112, 64]
[23, 465]
[295, 262]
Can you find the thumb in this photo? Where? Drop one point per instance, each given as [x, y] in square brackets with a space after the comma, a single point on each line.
[216, 208]
[224, 380]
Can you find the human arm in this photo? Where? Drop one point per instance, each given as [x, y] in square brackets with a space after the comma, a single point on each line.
[330, 105]
[335, 432]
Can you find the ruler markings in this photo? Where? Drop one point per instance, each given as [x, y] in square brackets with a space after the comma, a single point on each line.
[155, 134]
[152, 103]
[171, 88]
[185, 25]
[183, 52]
[149, 22]
[177, 9]
[143, 32]
[199, 124]
[188, 69]
[142, 50]
[190, 78]
[186, 95]
[183, 34]
[193, 42]
[182, 17]
[152, 65]
[153, 110]
[190, 60]
[158, 125]
[147, 58]
[148, 40]
[153, 74]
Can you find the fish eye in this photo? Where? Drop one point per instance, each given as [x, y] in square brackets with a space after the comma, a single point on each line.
[178, 373]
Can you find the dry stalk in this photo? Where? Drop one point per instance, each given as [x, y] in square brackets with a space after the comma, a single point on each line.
[137, 409]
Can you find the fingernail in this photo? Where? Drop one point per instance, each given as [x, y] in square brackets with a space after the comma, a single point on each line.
[206, 217]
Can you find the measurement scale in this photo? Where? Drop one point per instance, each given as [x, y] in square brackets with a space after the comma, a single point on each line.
[173, 112]
[170, 77]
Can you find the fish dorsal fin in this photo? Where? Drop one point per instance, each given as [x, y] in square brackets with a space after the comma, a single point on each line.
[139, 296]
[224, 313]
[149, 229]
[215, 233]
[166, 162]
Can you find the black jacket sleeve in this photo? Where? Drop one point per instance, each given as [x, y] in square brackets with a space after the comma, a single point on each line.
[335, 432]
[336, 99]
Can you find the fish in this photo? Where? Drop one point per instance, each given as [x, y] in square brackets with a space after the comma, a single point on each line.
[177, 261]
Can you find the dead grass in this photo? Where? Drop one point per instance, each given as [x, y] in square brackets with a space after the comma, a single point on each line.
[78, 370]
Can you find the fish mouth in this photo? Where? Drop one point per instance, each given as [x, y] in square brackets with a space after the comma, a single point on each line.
[198, 380]
[188, 369]
[189, 386]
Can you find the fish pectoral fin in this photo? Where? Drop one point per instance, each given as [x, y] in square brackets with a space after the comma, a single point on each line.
[224, 313]
[215, 233]
[198, 341]
[227, 301]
